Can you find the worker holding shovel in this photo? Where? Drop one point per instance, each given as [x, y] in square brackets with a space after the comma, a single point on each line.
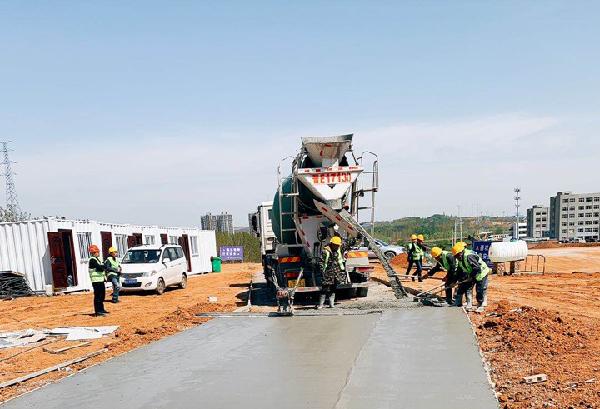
[445, 261]
[113, 272]
[475, 273]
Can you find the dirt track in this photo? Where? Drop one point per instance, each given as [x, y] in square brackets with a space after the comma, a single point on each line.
[141, 319]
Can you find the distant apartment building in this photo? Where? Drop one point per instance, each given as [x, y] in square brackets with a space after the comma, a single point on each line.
[522, 230]
[219, 222]
[538, 222]
[575, 216]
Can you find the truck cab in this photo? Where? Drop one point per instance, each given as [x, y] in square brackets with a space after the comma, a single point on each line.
[262, 227]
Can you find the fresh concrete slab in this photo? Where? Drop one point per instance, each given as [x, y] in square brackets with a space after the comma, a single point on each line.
[405, 358]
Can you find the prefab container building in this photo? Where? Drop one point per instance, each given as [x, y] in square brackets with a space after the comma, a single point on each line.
[54, 251]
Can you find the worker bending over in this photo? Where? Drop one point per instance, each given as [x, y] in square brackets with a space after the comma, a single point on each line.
[415, 256]
[474, 273]
[334, 271]
[113, 272]
[96, 269]
[445, 261]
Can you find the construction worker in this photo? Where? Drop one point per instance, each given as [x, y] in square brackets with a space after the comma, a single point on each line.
[474, 273]
[113, 272]
[415, 256]
[334, 271]
[96, 269]
[445, 261]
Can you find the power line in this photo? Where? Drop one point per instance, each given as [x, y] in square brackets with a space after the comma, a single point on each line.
[12, 202]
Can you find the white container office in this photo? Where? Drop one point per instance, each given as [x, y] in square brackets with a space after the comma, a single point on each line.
[54, 251]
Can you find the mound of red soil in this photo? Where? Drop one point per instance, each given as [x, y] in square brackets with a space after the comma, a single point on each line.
[523, 341]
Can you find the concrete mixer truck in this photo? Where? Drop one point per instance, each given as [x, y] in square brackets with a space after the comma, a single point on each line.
[319, 198]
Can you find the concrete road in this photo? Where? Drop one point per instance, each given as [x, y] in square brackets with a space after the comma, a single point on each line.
[420, 358]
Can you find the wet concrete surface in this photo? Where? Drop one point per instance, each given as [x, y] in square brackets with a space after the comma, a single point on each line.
[404, 358]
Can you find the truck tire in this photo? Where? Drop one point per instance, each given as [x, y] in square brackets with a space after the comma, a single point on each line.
[390, 255]
[362, 292]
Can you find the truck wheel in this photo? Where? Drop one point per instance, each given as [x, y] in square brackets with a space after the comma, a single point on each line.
[183, 282]
[390, 255]
[160, 286]
[362, 292]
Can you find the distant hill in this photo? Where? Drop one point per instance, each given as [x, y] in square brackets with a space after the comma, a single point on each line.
[438, 227]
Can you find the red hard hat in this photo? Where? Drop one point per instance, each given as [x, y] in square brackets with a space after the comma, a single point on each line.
[93, 249]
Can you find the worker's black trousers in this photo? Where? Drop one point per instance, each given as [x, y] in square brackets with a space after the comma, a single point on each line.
[418, 264]
[99, 293]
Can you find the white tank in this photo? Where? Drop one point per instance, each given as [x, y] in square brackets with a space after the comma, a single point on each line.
[505, 251]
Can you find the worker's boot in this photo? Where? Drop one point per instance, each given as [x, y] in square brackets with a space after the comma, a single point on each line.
[321, 301]
[469, 297]
[332, 300]
[484, 302]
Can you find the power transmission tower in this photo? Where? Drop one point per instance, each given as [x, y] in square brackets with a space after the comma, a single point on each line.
[13, 210]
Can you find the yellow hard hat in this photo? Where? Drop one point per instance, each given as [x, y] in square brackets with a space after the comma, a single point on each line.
[413, 237]
[436, 252]
[420, 237]
[458, 248]
[113, 250]
[336, 240]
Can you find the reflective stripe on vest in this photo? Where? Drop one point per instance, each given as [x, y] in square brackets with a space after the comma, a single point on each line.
[96, 276]
[466, 267]
[114, 263]
[328, 253]
[416, 251]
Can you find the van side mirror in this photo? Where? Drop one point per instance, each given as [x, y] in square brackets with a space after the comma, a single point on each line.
[166, 260]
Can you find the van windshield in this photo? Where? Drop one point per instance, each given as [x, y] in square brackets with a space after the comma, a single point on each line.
[141, 257]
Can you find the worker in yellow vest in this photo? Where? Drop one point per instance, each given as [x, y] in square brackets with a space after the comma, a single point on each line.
[474, 273]
[97, 276]
[445, 261]
[333, 269]
[415, 257]
[113, 272]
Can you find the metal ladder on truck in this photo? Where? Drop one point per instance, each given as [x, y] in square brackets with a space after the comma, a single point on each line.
[354, 229]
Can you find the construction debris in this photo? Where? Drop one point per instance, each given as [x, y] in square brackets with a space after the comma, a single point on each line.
[79, 333]
[542, 377]
[32, 336]
[51, 369]
[61, 350]
[21, 338]
[13, 285]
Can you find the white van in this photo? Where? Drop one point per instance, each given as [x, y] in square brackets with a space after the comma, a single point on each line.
[153, 268]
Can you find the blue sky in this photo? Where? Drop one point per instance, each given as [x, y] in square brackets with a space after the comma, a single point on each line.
[170, 109]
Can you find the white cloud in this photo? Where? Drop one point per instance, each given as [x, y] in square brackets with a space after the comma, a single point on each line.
[425, 168]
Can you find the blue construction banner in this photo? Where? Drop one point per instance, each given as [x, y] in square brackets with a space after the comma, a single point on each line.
[231, 253]
[483, 248]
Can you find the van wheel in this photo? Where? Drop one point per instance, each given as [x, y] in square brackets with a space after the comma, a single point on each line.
[183, 282]
[390, 255]
[160, 286]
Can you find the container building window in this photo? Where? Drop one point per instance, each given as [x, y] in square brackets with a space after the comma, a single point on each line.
[84, 239]
[121, 240]
[149, 240]
[194, 245]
